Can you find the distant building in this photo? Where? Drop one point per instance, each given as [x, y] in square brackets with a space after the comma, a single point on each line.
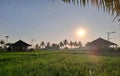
[101, 43]
[19, 46]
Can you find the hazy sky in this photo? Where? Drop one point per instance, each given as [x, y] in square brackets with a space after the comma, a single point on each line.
[45, 20]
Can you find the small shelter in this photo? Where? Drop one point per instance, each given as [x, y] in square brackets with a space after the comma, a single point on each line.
[101, 43]
[19, 46]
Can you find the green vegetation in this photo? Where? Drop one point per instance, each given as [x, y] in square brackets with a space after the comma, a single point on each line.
[110, 6]
[59, 63]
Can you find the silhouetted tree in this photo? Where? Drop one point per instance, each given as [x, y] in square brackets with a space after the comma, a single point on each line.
[6, 38]
[48, 44]
[65, 42]
[87, 44]
[2, 42]
[37, 47]
[71, 44]
[61, 44]
[75, 44]
[47, 47]
[42, 44]
[55, 46]
[79, 44]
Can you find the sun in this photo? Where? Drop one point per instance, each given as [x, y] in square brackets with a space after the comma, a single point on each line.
[81, 32]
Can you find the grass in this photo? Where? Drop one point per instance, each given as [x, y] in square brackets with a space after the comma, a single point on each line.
[58, 63]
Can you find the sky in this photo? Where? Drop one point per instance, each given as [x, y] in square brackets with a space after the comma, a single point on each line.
[48, 21]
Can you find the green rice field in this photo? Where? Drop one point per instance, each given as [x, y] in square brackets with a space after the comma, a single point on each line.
[59, 63]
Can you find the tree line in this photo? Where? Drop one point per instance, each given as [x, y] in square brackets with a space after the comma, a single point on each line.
[65, 44]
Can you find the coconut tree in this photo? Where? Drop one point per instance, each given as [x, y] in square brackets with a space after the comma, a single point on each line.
[2, 42]
[71, 44]
[110, 6]
[87, 44]
[75, 44]
[65, 42]
[37, 47]
[48, 44]
[79, 44]
[6, 38]
[61, 44]
[42, 44]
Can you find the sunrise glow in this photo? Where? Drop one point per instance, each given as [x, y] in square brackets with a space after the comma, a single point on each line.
[81, 32]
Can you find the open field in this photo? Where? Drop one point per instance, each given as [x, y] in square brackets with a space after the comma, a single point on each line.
[59, 63]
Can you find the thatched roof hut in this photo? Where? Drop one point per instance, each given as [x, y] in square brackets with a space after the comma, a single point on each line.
[101, 43]
[19, 46]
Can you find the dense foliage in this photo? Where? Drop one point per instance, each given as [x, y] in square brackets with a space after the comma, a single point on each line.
[110, 6]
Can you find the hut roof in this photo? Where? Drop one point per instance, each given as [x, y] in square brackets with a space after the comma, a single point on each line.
[101, 41]
[20, 43]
